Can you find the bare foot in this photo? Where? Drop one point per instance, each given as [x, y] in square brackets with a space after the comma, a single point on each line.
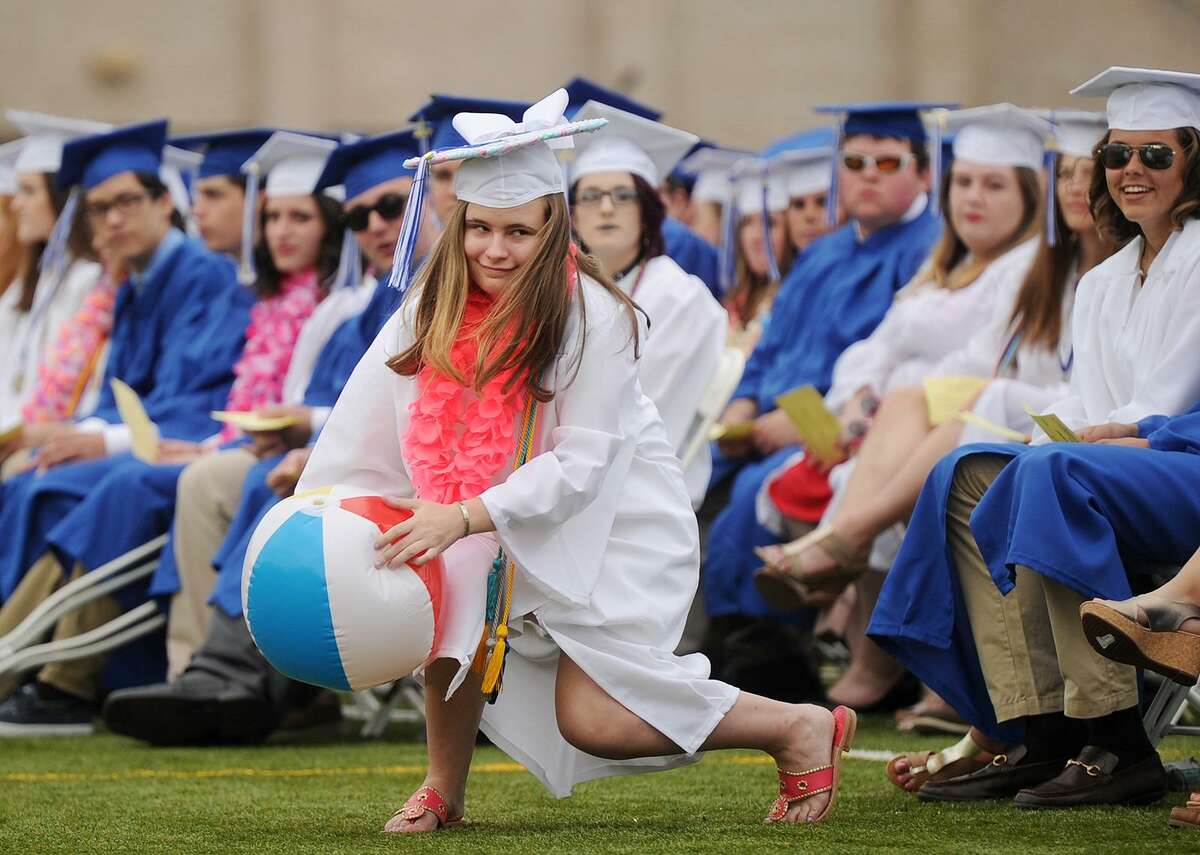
[428, 820]
[807, 743]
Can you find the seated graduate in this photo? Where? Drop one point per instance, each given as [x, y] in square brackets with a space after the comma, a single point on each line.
[618, 216]
[57, 270]
[600, 474]
[682, 245]
[808, 171]
[835, 294]
[712, 191]
[221, 688]
[991, 201]
[134, 500]
[982, 602]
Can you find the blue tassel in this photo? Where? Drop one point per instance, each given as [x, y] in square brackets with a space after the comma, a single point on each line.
[831, 202]
[409, 229]
[54, 257]
[349, 272]
[1051, 167]
[772, 262]
[247, 274]
[727, 253]
[935, 161]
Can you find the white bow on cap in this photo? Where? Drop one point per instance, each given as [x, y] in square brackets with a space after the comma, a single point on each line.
[480, 128]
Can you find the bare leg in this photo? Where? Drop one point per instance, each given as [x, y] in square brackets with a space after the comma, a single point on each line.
[797, 736]
[872, 672]
[450, 727]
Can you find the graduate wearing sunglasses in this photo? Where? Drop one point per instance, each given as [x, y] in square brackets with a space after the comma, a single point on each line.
[1006, 541]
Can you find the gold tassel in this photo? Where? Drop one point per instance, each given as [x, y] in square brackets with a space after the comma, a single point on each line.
[495, 665]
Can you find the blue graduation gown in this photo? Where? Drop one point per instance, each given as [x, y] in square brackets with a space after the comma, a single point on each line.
[836, 293]
[334, 366]
[693, 253]
[1075, 513]
[176, 335]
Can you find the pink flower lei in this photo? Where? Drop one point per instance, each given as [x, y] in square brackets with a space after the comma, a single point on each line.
[456, 441]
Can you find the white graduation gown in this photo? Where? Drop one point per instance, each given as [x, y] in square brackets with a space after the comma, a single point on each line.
[338, 306]
[681, 352]
[600, 526]
[35, 332]
[1136, 343]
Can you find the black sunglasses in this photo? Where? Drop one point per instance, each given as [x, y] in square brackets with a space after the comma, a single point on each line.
[1153, 155]
[389, 206]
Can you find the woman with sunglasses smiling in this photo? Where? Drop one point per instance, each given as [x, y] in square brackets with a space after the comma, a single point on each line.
[1007, 541]
[618, 216]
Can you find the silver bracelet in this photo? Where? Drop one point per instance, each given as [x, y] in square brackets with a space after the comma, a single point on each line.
[466, 515]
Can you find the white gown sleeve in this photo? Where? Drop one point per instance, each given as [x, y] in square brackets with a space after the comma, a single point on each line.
[360, 444]
[865, 362]
[554, 514]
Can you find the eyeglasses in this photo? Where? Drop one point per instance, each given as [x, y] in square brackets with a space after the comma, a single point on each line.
[1152, 155]
[389, 206]
[619, 197]
[124, 204]
[886, 165]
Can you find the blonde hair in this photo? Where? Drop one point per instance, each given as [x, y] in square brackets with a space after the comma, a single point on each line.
[525, 329]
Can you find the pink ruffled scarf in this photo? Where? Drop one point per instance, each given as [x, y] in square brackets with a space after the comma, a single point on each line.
[457, 441]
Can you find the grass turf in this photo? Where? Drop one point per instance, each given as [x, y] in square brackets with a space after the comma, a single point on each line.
[110, 794]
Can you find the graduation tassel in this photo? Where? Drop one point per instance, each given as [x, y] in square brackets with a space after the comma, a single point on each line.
[349, 272]
[410, 228]
[54, 257]
[727, 252]
[831, 201]
[935, 160]
[772, 262]
[1051, 168]
[247, 274]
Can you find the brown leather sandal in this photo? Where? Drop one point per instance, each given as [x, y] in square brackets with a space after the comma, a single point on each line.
[1145, 631]
[962, 758]
[1187, 816]
[784, 590]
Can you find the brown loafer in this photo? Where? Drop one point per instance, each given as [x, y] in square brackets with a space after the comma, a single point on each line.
[1003, 778]
[1089, 779]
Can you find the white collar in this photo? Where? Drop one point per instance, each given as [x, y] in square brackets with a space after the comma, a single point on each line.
[914, 210]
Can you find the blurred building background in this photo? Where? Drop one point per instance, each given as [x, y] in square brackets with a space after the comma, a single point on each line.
[739, 72]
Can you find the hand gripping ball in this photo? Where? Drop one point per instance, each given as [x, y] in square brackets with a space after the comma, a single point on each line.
[319, 609]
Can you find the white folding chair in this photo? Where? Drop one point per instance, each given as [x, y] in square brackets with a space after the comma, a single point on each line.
[1168, 706]
[716, 396]
[377, 708]
[20, 649]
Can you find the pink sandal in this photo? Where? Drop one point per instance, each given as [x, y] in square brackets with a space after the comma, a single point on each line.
[428, 799]
[798, 786]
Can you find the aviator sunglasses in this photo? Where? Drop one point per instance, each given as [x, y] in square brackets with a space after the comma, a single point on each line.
[1152, 155]
[885, 165]
[389, 206]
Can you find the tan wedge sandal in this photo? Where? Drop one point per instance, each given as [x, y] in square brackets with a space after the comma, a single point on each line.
[784, 590]
[1145, 631]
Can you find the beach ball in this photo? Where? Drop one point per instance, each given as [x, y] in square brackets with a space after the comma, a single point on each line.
[319, 609]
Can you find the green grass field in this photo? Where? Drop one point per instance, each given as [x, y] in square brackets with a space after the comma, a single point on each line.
[332, 794]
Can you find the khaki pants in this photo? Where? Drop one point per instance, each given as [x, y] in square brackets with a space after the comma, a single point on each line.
[206, 500]
[1031, 646]
[79, 677]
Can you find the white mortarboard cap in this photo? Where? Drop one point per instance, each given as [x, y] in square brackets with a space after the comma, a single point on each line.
[176, 164]
[292, 162]
[511, 179]
[714, 173]
[9, 152]
[805, 171]
[630, 143]
[1076, 132]
[45, 136]
[1146, 99]
[999, 135]
[751, 176]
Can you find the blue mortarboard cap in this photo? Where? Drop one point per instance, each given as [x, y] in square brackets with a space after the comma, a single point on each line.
[224, 151]
[884, 118]
[434, 130]
[129, 148]
[815, 138]
[367, 163]
[581, 90]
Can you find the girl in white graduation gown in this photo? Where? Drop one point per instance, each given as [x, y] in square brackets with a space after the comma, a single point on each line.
[618, 215]
[597, 520]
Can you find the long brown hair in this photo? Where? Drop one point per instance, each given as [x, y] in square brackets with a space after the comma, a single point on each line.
[751, 291]
[951, 251]
[79, 243]
[526, 328]
[1107, 213]
[1037, 315]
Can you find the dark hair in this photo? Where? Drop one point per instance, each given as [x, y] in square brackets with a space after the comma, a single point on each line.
[155, 189]
[329, 253]
[918, 149]
[79, 242]
[1107, 214]
[750, 290]
[1037, 315]
[653, 212]
[680, 181]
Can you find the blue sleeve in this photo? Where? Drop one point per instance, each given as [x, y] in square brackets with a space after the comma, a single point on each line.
[1150, 424]
[1179, 433]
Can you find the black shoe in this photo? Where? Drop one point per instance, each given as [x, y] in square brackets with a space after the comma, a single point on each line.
[1003, 778]
[32, 712]
[1092, 779]
[199, 708]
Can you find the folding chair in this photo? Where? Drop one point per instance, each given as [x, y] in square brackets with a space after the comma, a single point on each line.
[716, 396]
[20, 649]
[381, 706]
